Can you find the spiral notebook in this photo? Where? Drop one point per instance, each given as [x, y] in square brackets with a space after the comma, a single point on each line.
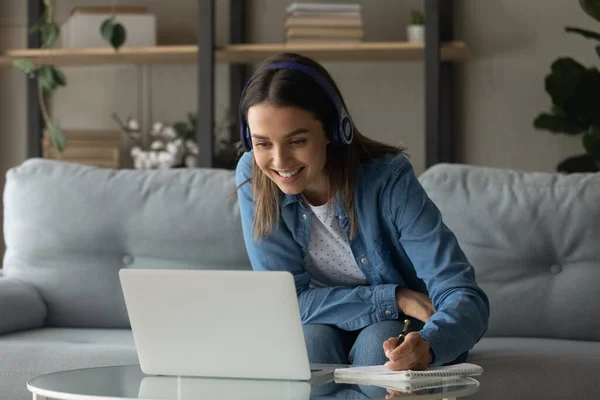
[382, 373]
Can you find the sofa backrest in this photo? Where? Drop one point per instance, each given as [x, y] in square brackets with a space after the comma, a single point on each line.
[70, 228]
[534, 241]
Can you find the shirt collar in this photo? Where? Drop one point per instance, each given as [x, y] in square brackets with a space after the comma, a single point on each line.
[295, 198]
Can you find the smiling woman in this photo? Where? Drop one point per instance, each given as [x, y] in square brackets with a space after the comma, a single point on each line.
[346, 216]
[286, 96]
[290, 149]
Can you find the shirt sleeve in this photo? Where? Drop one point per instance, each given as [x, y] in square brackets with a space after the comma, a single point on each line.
[346, 308]
[462, 308]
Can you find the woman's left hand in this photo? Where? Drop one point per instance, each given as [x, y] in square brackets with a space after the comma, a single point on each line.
[414, 353]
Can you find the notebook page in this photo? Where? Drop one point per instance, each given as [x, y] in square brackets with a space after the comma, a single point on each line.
[381, 372]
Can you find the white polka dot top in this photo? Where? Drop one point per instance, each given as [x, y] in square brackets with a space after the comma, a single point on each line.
[329, 260]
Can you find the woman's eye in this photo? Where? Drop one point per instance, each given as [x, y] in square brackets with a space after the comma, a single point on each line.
[299, 141]
[262, 144]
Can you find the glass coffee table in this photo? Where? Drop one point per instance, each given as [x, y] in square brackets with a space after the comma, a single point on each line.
[129, 382]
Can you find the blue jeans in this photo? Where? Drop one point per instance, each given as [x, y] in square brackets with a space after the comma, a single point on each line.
[327, 344]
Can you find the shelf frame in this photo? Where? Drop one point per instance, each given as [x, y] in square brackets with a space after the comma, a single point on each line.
[439, 88]
[205, 33]
[35, 122]
[439, 52]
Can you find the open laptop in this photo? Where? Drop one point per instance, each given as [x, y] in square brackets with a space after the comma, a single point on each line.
[207, 323]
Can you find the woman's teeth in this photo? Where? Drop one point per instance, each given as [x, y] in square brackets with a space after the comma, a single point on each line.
[289, 174]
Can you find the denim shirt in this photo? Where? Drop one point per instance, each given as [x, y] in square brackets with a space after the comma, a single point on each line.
[401, 241]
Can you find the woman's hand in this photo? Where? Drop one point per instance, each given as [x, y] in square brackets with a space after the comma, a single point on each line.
[414, 353]
[414, 304]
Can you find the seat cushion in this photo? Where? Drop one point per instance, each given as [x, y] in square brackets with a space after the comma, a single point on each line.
[70, 228]
[528, 368]
[31, 353]
[533, 241]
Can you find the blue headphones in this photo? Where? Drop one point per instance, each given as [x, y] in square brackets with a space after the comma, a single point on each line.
[343, 131]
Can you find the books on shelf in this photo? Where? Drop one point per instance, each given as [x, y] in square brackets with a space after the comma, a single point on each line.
[323, 22]
[97, 148]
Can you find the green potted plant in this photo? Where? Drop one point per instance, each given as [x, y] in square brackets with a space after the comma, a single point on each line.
[415, 31]
[49, 77]
[575, 94]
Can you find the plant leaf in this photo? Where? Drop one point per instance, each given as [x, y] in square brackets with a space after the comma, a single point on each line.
[50, 33]
[557, 124]
[566, 65]
[561, 83]
[107, 27]
[193, 119]
[591, 7]
[36, 27]
[46, 79]
[57, 136]
[417, 17]
[557, 111]
[182, 129]
[59, 77]
[591, 142]
[582, 106]
[24, 65]
[118, 36]
[580, 163]
[583, 32]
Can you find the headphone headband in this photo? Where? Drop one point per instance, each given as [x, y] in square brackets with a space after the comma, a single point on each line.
[343, 131]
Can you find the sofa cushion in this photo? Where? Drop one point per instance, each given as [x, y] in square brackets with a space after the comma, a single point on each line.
[528, 368]
[31, 353]
[533, 241]
[21, 306]
[70, 228]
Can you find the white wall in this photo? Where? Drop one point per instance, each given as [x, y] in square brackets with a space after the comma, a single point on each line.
[499, 91]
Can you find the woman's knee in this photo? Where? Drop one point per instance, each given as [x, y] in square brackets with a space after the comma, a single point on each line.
[368, 348]
[324, 344]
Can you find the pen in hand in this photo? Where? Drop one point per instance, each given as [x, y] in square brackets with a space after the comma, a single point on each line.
[403, 334]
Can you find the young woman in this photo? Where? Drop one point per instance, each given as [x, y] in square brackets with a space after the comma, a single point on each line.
[348, 218]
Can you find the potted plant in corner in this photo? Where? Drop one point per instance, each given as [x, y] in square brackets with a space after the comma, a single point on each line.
[415, 31]
[575, 93]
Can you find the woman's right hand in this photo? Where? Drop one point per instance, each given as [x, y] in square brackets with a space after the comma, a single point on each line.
[414, 304]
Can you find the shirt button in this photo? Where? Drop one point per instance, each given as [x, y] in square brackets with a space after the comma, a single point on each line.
[363, 260]
[388, 312]
[304, 216]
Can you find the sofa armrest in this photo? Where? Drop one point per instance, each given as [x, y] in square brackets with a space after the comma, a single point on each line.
[21, 306]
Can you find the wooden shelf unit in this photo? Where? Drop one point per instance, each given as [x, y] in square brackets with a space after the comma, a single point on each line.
[241, 53]
[438, 53]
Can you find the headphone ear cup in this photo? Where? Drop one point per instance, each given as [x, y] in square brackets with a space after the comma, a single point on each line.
[248, 138]
[346, 131]
[245, 137]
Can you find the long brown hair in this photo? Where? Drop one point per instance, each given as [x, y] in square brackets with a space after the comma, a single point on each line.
[287, 87]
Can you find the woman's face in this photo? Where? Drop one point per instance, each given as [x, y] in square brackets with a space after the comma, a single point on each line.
[290, 148]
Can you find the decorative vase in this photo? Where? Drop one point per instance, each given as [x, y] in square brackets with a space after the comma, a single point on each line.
[415, 33]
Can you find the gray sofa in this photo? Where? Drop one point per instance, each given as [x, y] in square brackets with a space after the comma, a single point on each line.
[533, 239]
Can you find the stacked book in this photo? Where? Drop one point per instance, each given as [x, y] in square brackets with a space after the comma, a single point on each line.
[97, 148]
[323, 23]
